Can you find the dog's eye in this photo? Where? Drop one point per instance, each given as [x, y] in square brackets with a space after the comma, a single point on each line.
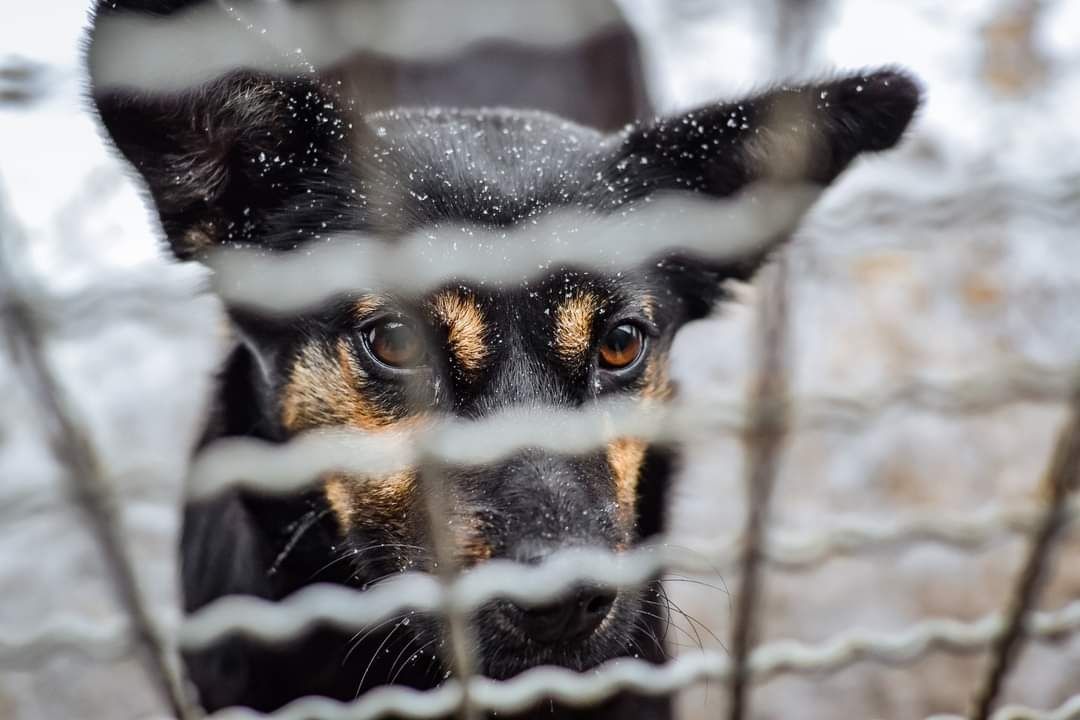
[621, 347]
[395, 344]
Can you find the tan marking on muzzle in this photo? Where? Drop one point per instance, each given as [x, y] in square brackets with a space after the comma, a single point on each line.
[657, 385]
[466, 328]
[574, 320]
[326, 387]
[626, 456]
[379, 502]
[470, 540]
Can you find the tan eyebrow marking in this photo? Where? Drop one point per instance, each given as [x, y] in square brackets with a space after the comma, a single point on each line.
[365, 305]
[574, 319]
[466, 327]
[648, 306]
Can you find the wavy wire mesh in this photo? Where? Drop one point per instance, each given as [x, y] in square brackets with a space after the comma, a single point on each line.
[763, 423]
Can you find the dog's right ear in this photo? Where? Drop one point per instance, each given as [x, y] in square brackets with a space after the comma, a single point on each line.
[794, 140]
[219, 159]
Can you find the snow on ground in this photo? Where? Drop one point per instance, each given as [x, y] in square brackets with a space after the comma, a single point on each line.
[954, 255]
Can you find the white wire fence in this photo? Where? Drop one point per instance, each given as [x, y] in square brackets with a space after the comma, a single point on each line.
[283, 468]
[763, 422]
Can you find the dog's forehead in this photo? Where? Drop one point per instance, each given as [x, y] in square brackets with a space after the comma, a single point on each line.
[506, 136]
[490, 167]
[543, 295]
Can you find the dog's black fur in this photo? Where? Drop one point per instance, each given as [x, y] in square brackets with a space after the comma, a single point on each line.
[281, 163]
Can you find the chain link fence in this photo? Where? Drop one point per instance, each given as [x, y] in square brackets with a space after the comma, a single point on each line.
[763, 424]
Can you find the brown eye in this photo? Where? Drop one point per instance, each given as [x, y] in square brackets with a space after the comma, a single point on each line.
[621, 347]
[395, 344]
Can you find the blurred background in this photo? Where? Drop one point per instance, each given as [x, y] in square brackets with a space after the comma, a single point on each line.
[954, 257]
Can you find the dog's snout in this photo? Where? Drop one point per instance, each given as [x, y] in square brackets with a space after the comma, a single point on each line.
[572, 616]
[569, 618]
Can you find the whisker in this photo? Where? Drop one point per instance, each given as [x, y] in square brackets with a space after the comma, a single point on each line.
[394, 546]
[662, 595]
[698, 555]
[640, 650]
[375, 656]
[404, 665]
[354, 643]
[305, 523]
[670, 624]
[722, 588]
[400, 655]
[695, 622]
[345, 555]
[672, 606]
[433, 663]
[356, 553]
[694, 581]
[368, 584]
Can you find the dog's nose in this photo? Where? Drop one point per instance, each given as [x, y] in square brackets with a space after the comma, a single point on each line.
[570, 618]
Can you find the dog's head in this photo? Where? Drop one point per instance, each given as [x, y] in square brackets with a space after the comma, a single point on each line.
[283, 164]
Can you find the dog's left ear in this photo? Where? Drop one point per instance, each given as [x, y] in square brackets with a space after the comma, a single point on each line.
[222, 157]
[802, 136]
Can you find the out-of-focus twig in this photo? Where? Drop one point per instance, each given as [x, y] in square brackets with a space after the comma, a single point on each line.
[795, 38]
[764, 440]
[75, 452]
[1060, 482]
[459, 634]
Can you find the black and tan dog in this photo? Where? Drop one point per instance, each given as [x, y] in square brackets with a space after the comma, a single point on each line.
[281, 163]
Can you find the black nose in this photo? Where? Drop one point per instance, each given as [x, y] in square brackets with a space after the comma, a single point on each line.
[570, 618]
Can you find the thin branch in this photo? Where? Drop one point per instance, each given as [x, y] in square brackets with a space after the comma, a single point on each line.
[1060, 482]
[88, 487]
[764, 441]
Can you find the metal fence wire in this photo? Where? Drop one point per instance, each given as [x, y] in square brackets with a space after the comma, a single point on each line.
[764, 424]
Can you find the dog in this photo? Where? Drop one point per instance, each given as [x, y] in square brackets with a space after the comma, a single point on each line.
[281, 163]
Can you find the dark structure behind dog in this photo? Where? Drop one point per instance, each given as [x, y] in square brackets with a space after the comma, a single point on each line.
[283, 162]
